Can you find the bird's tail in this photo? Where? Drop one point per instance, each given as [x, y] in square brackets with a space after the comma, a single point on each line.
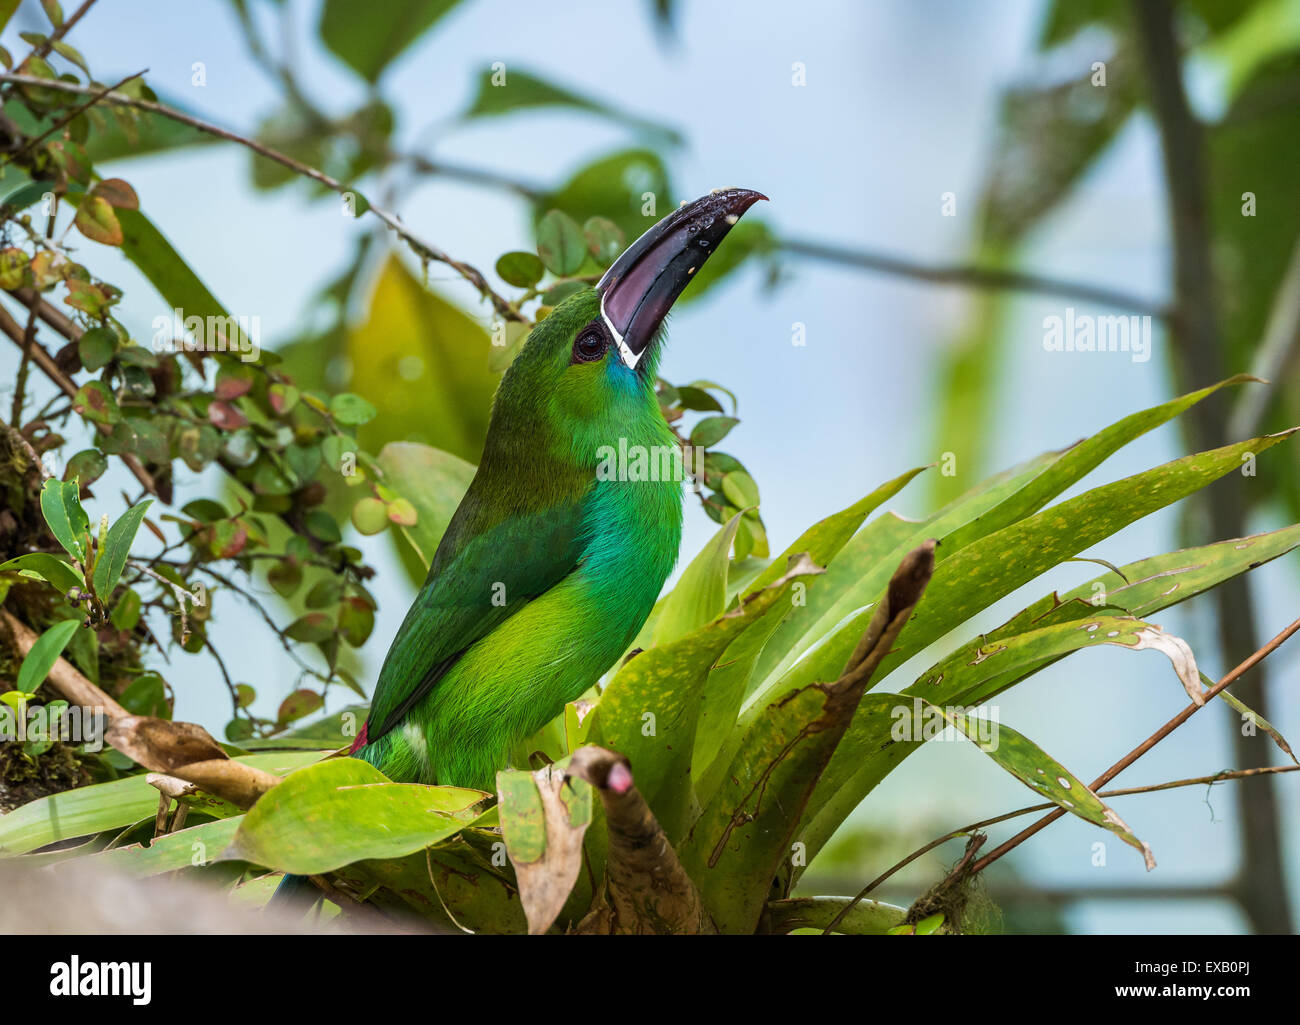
[294, 890]
[300, 889]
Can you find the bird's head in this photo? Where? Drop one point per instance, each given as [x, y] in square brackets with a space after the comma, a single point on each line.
[588, 370]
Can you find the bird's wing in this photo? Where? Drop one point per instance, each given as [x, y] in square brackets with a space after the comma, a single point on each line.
[479, 578]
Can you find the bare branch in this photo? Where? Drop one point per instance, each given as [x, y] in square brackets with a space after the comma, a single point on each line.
[972, 277]
[424, 250]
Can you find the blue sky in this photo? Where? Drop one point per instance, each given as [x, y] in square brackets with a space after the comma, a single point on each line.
[899, 107]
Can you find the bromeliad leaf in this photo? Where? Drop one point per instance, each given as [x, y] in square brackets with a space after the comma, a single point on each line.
[701, 593]
[672, 681]
[174, 851]
[964, 673]
[108, 806]
[1040, 772]
[343, 810]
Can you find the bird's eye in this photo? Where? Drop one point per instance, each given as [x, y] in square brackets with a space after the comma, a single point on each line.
[589, 345]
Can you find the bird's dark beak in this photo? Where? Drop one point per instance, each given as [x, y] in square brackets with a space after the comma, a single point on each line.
[641, 286]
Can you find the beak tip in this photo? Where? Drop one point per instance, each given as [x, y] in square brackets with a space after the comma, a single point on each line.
[739, 200]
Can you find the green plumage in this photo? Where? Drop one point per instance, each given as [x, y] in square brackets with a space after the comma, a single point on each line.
[545, 573]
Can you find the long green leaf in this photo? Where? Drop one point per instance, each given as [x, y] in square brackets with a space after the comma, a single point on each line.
[701, 593]
[47, 567]
[961, 676]
[343, 810]
[104, 806]
[650, 711]
[186, 848]
[44, 653]
[117, 546]
[1039, 771]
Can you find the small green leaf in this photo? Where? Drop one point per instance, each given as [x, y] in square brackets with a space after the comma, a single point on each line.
[44, 653]
[560, 243]
[311, 628]
[96, 220]
[285, 577]
[299, 704]
[740, 489]
[356, 621]
[146, 695]
[87, 466]
[523, 270]
[351, 409]
[930, 925]
[95, 403]
[67, 520]
[711, 430]
[605, 239]
[96, 347]
[691, 397]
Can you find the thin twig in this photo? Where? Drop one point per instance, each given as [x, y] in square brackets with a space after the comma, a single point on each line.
[67, 118]
[972, 277]
[424, 250]
[1146, 745]
[1218, 777]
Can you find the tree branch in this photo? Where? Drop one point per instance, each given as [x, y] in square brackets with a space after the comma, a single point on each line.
[424, 250]
[972, 277]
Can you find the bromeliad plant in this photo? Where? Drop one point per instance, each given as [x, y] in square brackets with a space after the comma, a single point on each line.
[761, 705]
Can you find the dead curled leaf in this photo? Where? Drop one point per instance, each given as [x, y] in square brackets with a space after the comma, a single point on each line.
[160, 744]
[647, 891]
[1179, 652]
[176, 749]
[543, 821]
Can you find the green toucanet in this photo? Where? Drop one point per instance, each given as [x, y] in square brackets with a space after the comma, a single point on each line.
[548, 568]
[546, 573]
